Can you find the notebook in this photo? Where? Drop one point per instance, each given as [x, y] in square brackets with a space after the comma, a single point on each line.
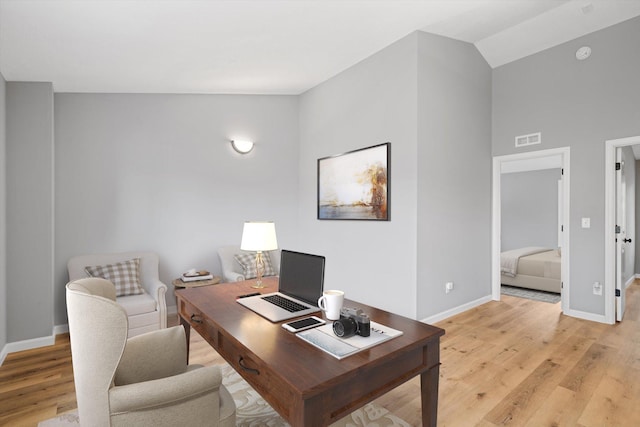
[300, 285]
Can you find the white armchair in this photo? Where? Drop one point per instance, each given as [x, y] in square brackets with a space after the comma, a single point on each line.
[232, 270]
[148, 311]
[141, 381]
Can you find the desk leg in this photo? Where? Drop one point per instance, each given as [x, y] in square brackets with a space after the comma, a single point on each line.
[187, 332]
[308, 413]
[429, 390]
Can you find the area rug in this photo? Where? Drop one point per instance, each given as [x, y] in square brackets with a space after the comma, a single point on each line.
[542, 296]
[253, 411]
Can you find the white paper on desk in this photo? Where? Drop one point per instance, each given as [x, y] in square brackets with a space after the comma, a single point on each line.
[324, 338]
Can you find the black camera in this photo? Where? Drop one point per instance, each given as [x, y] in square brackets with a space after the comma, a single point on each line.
[352, 322]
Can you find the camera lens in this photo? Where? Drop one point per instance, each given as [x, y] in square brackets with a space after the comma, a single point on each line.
[345, 327]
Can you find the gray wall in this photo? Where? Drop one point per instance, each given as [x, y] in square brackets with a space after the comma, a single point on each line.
[157, 172]
[529, 209]
[579, 104]
[29, 201]
[3, 218]
[370, 103]
[430, 97]
[454, 174]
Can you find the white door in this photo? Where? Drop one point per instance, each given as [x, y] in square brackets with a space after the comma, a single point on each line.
[565, 301]
[621, 233]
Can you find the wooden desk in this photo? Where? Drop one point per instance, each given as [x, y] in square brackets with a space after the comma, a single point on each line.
[306, 386]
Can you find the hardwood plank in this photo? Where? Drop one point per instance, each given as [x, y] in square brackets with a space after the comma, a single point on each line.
[27, 380]
[404, 402]
[556, 410]
[588, 371]
[28, 417]
[474, 397]
[526, 398]
[505, 357]
[615, 401]
[567, 351]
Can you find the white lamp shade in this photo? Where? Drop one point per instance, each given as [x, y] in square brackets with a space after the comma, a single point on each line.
[259, 236]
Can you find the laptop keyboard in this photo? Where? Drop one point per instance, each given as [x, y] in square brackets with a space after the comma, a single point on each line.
[285, 303]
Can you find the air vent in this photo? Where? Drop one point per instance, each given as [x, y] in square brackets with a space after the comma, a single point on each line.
[531, 139]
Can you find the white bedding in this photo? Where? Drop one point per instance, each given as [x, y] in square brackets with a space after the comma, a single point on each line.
[509, 259]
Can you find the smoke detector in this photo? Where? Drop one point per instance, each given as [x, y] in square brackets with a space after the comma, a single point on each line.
[587, 8]
[583, 53]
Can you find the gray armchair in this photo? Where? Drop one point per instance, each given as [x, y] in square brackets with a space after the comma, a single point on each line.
[147, 312]
[141, 381]
[232, 270]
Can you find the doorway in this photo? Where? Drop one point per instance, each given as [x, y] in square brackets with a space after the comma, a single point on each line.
[614, 287]
[559, 156]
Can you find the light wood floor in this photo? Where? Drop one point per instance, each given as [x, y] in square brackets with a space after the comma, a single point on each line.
[515, 362]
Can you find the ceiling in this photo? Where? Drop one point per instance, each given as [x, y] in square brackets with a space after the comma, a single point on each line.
[263, 46]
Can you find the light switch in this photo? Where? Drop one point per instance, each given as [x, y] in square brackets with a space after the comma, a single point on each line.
[586, 222]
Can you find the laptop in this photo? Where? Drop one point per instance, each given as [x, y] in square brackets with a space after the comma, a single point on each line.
[300, 285]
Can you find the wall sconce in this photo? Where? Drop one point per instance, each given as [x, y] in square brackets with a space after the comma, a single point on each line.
[242, 147]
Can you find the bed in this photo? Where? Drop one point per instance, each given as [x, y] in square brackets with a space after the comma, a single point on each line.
[532, 268]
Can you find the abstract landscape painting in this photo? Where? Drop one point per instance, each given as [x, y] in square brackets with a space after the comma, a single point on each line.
[355, 185]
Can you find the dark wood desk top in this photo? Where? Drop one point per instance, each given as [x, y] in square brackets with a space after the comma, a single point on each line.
[304, 367]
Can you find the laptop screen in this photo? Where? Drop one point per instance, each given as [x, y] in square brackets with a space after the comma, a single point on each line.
[301, 276]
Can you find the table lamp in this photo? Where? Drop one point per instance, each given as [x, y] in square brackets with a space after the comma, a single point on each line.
[259, 236]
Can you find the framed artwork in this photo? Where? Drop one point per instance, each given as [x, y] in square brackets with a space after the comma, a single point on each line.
[355, 185]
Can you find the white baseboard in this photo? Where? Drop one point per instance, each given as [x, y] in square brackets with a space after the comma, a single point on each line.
[60, 329]
[456, 310]
[3, 354]
[45, 341]
[13, 347]
[600, 318]
[468, 306]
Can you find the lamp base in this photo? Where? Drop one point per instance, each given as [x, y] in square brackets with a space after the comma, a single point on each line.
[259, 271]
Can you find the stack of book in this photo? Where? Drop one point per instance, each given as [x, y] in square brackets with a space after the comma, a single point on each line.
[196, 276]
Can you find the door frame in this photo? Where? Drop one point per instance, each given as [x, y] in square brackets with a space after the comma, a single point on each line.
[610, 223]
[498, 162]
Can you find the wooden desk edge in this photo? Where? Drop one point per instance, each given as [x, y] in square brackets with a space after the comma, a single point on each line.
[429, 373]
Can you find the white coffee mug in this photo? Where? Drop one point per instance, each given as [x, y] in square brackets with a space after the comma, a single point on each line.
[331, 303]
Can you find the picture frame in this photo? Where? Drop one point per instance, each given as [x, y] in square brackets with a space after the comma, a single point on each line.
[355, 185]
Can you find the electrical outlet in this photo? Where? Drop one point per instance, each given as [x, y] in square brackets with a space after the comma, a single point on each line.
[597, 288]
[448, 287]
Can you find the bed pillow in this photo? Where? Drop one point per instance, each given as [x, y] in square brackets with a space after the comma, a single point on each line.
[124, 275]
[248, 263]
